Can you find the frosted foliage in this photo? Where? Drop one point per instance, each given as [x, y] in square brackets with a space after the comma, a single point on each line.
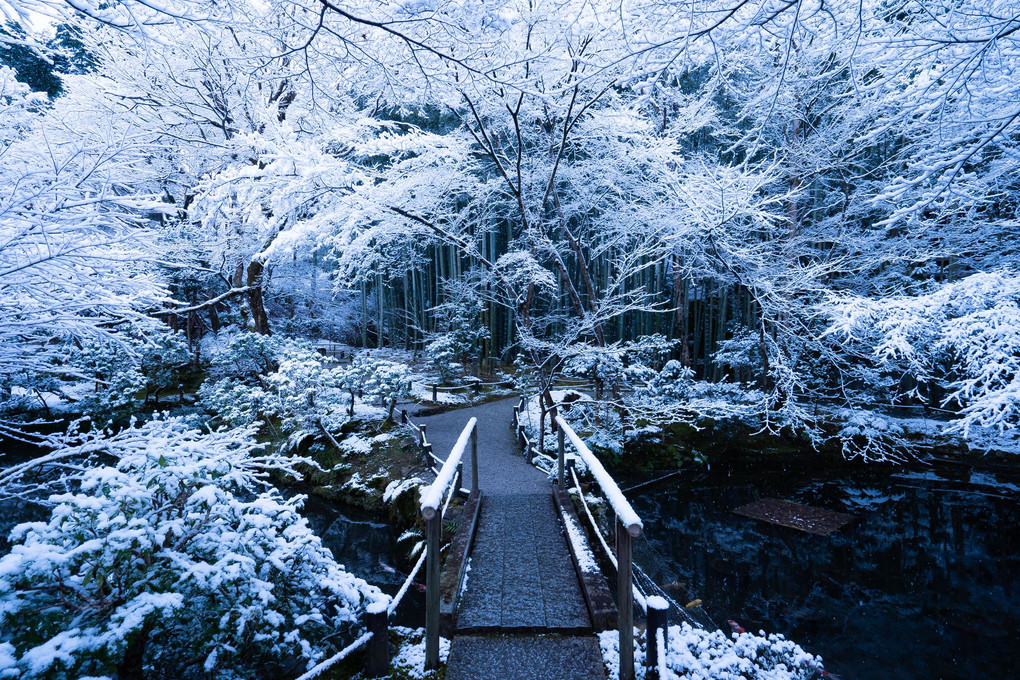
[306, 390]
[178, 545]
[964, 334]
[697, 654]
[73, 231]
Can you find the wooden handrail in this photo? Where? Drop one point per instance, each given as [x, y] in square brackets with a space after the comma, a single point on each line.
[628, 526]
[433, 496]
[451, 473]
[621, 506]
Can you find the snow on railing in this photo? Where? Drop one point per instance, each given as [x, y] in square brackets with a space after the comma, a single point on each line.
[406, 584]
[448, 478]
[336, 658]
[639, 596]
[621, 506]
[628, 526]
[433, 495]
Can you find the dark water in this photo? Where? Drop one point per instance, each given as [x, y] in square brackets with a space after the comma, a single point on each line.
[367, 547]
[924, 584]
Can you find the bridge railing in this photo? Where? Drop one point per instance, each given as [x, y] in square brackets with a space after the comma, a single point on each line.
[449, 479]
[473, 386]
[376, 636]
[628, 526]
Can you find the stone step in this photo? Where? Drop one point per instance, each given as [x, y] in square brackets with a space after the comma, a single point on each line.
[547, 657]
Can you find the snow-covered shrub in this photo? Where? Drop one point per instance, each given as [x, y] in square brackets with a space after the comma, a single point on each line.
[244, 355]
[177, 556]
[673, 383]
[377, 379]
[164, 358]
[235, 403]
[623, 364]
[462, 334]
[675, 395]
[306, 388]
[743, 353]
[144, 360]
[963, 337]
[112, 369]
[697, 654]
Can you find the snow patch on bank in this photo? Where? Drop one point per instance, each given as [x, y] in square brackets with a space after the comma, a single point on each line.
[411, 657]
[697, 654]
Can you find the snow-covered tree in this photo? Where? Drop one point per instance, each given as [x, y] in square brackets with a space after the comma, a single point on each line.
[960, 342]
[177, 554]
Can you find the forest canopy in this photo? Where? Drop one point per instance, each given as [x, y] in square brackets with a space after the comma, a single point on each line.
[796, 217]
[525, 181]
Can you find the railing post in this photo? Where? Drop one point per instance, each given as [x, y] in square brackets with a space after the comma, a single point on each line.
[432, 529]
[541, 426]
[421, 435]
[403, 416]
[377, 663]
[517, 416]
[520, 436]
[657, 609]
[625, 597]
[459, 477]
[474, 459]
[561, 462]
[435, 393]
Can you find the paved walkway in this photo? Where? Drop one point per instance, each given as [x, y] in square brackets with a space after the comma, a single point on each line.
[522, 614]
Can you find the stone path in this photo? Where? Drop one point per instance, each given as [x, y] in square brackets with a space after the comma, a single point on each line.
[522, 614]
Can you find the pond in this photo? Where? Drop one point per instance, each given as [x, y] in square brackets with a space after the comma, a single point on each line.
[924, 583]
[367, 547]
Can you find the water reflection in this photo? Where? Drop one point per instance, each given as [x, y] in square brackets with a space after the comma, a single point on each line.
[925, 583]
[366, 547]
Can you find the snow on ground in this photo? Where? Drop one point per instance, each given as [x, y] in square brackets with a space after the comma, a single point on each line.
[422, 392]
[585, 558]
[355, 444]
[697, 654]
[410, 659]
[396, 488]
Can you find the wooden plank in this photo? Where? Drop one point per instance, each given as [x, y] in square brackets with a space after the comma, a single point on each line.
[456, 562]
[594, 588]
[817, 521]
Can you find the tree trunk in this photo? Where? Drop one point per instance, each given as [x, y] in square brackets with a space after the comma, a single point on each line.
[680, 296]
[214, 319]
[131, 667]
[255, 301]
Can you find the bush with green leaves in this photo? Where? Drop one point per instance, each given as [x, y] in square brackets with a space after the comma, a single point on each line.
[178, 556]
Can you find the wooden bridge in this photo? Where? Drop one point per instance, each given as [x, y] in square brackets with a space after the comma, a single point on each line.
[521, 593]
